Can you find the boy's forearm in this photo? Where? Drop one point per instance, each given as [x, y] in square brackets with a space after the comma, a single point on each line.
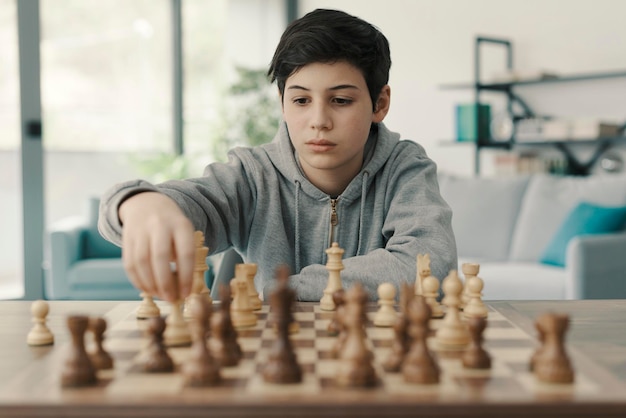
[109, 222]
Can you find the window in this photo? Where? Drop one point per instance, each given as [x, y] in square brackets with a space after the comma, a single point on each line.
[11, 244]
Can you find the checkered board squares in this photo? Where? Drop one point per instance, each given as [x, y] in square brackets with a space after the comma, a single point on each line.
[509, 377]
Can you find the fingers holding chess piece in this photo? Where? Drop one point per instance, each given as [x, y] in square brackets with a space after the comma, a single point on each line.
[40, 334]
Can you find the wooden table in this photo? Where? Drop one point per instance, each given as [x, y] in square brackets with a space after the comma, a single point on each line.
[596, 343]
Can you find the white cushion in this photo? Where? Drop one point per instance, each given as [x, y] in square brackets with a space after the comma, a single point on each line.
[484, 212]
[549, 199]
[522, 281]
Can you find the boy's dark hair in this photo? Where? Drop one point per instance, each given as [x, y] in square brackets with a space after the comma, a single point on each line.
[329, 36]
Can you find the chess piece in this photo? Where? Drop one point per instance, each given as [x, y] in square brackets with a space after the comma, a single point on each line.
[199, 286]
[386, 314]
[335, 326]
[100, 358]
[223, 343]
[401, 343]
[250, 270]
[419, 366]
[430, 288]
[542, 338]
[176, 331]
[147, 308]
[78, 370]
[40, 334]
[282, 365]
[355, 368]
[241, 312]
[474, 306]
[334, 267]
[469, 270]
[475, 356]
[423, 271]
[154, 358]
[553, 365]
[453, 333]
[200, 369]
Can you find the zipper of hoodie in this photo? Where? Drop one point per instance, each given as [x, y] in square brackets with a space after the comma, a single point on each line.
[333, 220]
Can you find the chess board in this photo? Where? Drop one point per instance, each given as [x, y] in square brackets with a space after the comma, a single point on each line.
[508, 383]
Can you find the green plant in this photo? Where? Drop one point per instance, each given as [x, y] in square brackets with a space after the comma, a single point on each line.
[249, 116]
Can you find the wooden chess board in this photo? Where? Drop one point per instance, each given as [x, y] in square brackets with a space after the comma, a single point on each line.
[507, 386]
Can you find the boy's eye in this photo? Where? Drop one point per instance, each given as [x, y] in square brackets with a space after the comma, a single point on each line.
[300, 100]
[342, 101]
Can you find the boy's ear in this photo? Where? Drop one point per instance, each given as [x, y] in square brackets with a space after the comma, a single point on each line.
[381, 107]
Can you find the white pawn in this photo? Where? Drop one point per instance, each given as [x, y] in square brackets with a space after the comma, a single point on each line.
[469, 270]
[241, 312]
[176, 329]
[250, 270]
[430, 286]
[39, 334]
[147, 307]
[386, 315]
[453, 333]
[475, 308]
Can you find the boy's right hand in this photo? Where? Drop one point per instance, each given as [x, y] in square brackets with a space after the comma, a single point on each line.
[156, 232]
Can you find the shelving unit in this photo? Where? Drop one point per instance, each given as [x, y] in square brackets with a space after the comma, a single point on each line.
[565, 145]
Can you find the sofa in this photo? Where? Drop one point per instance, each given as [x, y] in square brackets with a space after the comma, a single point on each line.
[542, 237]
[80, 264]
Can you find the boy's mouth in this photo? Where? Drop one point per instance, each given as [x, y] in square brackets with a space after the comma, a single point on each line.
[320, 145]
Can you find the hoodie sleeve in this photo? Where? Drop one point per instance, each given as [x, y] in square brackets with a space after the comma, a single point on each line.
[215, 203]
[417, 220]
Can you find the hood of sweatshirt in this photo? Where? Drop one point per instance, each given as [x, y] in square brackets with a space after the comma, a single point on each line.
[379, 146]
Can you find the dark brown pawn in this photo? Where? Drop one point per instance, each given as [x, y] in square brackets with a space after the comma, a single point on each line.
[223, 343]
[201, 369]
[100, 358]
[475, 356]
[419, 366]
[155, 357]
[553, 364]
[282, 365]
[78, 370]
[542, 337]
[334, 326]
[401, 342]
[339, 323]
[355, 368]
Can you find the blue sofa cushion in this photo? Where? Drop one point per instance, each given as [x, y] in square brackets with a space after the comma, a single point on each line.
[94, 246]
[584, 219]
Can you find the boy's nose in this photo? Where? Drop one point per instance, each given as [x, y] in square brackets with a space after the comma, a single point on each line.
[320, 118]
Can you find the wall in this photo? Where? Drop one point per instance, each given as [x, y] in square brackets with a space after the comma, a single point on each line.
[432, 44]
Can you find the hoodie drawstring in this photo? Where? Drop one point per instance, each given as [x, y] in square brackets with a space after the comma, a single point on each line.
[297, 231]
[362, 209]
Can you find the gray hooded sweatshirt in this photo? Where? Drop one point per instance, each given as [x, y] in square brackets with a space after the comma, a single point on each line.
[262, 204]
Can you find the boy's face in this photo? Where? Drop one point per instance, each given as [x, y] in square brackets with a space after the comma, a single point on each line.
[328, 111]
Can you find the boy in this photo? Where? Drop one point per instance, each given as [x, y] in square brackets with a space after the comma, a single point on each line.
[333, 172]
